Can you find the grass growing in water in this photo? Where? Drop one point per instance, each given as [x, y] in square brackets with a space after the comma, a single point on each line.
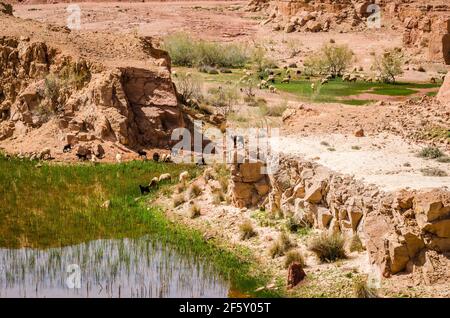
[60, 205]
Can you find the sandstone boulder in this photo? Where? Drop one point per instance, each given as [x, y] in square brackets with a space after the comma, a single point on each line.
[431, 206]
[359, 133]
[314, 26]
[314, 193]
[324, 217]
[290, 27]
[444, 92]
[295, 274]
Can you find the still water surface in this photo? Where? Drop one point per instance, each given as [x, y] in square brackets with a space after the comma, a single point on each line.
[107, 268]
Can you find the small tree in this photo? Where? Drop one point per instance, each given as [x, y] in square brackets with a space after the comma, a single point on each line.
[330, 59]
[389, 65]
[188, 86]
[248, 87]
[224, 97]
[260, 60]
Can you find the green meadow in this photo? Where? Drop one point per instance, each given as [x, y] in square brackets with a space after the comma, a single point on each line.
[335, 91]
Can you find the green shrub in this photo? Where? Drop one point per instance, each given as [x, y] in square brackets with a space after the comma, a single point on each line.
[6, 8]
[261, 61]
[293, 225]
[276, 249]
[294, 256]
[388, 65]
[52, 87]
[330, 59]
[224, 97]
[328, 247]
[433, 172]
[281, 245]
[187, 51]
[431, 152]
[275, 111]
[218, 197]
[181, 48]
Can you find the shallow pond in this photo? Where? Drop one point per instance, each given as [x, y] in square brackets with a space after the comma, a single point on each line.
[107, 268]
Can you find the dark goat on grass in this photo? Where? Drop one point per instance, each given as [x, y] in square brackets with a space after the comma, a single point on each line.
[144, 189]
[142, 153]
[83, 157]
[156, 157]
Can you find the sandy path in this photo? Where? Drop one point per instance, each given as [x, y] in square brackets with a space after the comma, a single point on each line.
[380, 160]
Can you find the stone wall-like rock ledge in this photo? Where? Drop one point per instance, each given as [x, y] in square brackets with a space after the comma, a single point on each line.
[396, 228]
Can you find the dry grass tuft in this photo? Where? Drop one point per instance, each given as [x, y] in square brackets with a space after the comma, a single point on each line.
[246, 230]
[194, 211]
[178, 199]
[294, 256]
[194, 190]
[328, 247]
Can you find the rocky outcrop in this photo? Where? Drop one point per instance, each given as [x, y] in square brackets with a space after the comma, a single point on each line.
[395, 227]
[309, 16]
[424, 26]
[86, 101]
[135, 107]
[249, 183]
[444, 92]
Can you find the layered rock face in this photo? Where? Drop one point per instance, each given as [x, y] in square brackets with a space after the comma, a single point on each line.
[135, 107]
[423, 25]
[40, 88]
[249, 184]
[310, 16]
[444, 92]
[396, 228]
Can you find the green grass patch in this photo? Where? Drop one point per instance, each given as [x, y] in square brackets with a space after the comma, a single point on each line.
[337, 90]
[60, 205]
[393, 91]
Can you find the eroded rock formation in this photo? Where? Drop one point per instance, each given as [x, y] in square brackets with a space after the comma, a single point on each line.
[44, 89]
[424, 26]
[398, 229]
[444, 92]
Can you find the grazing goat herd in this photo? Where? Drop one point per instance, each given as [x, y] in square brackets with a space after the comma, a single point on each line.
[183, 177]
[268, 76]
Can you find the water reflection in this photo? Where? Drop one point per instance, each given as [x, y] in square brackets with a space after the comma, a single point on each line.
[107, 268]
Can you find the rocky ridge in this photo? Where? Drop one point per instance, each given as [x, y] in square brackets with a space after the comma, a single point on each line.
[425, 27]
[73, 102]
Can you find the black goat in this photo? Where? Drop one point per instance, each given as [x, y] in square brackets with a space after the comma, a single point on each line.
[156, 156]
[67, 148]
[144, 189]
[142, 153]
[83, 157]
